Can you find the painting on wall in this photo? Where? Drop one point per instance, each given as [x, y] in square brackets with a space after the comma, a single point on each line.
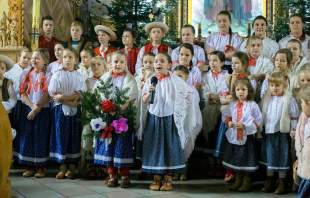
[243, 12]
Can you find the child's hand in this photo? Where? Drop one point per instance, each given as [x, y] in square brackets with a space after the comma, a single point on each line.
[230, 124]
[239, 125]
[151, 89]
[292, 134]
[259, 135]
[57, 98]
[35, 110]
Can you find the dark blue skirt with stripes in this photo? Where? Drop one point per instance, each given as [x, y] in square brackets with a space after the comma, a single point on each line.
[65, 144]
[31, 145]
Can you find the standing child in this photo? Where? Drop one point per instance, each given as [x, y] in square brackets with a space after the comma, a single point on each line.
[146, 71]
[33, 130]
[243, 117]
[65, 144]
[85, 65]
[98, 67]
[280, 114]
[302, 145]
[77, 41]
[7, 93]
[171, 122]
[131, 51]
[57, 64]
[186, 54]
[259, 65]
[118, 154]
[282, 62]
[105, 35]
[156, 31]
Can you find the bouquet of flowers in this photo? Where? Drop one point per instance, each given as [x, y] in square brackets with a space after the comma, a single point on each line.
[104, 109]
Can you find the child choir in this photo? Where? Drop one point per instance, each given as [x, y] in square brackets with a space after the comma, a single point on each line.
[253, 91]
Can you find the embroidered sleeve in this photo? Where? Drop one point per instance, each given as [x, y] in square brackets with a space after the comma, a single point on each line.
[254, 122]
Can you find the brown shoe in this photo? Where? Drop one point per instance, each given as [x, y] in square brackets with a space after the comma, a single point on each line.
[156, 183]
[60, 175]
[70, 174]
[28, 173]
[237, 183]
[125, 183]
[112, 182]
[246, 184]
[269, 185]
[167, 184]
[40, 173]
[281, 188]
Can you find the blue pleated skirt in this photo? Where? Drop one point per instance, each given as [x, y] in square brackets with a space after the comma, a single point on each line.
[162, 152]
[277, 151]
[241, 158]
[31, 145]
[304, 189]
[119, 153]
[15, 114]
[65, 144]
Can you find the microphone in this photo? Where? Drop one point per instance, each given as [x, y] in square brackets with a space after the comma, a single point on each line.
[154, 82]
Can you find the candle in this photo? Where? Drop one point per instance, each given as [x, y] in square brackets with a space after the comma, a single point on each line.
[35, 23]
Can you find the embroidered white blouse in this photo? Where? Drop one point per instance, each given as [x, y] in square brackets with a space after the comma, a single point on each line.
[274, 114]
[283, 44]
[270, 47]
[216, 85]
[263, 66]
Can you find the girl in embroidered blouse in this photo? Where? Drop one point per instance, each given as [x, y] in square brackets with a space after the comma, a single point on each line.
[169, 126]
[65, 142]
[186, 54]
[243, 117]
[259, 65]
[156, 31]
[282, 62]
[188, 36]
[302, 144]
[224, 40]
[57, 64]
[85, 65]
[33, 130]
[146, 71]
[269, 46]
[116, 152]
[280, 114]
[130, 49]
[105, 36]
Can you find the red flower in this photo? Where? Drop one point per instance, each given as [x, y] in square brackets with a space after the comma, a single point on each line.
[107, 106]
[107, 132]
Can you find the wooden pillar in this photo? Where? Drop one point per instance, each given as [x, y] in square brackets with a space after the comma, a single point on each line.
[35, 33]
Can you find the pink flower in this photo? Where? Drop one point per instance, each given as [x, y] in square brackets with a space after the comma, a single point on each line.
[120, 125]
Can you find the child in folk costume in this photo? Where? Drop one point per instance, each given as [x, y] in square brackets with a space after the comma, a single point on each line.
[280, 115]
[303, 80]
[118, 153]
[282, 62]
[99, 68]
[243, 117]
[186, 54]
[173, 119]
[188, 36]
[302, 144]
[259, 65]
[146, 71]
[65, 88]
[57, 64]
[269, 46]
[224, 40]
[131, 51]
[156, 31]
[298, 61]
[7, 92]
[105, 35]
[85, 65]
[33, 130]
[14, 74]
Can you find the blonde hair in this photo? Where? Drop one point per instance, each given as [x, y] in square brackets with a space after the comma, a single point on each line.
[101, 60]
[278, 78]
[251, 38]
[304, 93]
[44, 54]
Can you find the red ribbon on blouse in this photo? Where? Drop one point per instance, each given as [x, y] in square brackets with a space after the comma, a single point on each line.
[161, 76]
[239, 117]
[252, 61]
[117, 74]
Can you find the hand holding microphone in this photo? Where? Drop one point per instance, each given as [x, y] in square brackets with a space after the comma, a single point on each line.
[154, 82]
